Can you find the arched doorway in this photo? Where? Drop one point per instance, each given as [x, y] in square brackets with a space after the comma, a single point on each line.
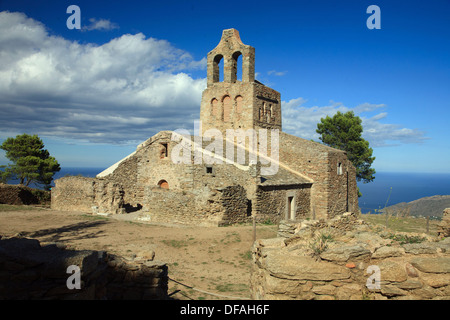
[163, 184]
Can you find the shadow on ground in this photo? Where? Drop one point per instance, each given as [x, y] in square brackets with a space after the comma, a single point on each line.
[75, 231]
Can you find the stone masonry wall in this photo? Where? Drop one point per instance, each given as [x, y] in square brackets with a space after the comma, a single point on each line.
[73, 194]
[267, 107]
[30, 270]
[235, 203]
[205, 208]
[345, 259]
[126, 176]
[342, 193]
[90, 195]
[272, 205]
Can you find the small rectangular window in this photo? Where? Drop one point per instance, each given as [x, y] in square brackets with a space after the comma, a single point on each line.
[339, 169]
[209, 170]
[164, 151]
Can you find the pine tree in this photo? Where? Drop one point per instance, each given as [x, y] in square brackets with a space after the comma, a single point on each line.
[30, 161]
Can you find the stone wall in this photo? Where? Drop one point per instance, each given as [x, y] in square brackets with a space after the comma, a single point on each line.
[345, 259]
[73, 194]
[30, 270]
[235, 205]
[90, 195]
[215, 207]
[125, 176]
[272, 203]
[342, 188]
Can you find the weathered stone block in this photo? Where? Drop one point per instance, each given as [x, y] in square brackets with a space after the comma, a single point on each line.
[432, 264]
[303, 268]
[386, 252]
[392, 291]
[345, 252]
[420, 248]
[392, 271]
[325, 290]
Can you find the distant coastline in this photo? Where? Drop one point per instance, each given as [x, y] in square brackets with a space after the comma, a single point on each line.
[406, 187]
[432, 207]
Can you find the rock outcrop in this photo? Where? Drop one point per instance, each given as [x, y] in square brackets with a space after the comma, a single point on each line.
[444, 225]
[345, 258]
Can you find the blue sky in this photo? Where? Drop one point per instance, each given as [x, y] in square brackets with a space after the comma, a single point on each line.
[138, 67]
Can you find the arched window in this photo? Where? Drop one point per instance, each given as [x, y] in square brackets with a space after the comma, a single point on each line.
[163, 184]
[238, 100]
[215, 108]
[236, 66]
[226, 108]
[217, 63]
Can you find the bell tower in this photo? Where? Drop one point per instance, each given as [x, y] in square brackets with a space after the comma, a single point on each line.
[232, 103]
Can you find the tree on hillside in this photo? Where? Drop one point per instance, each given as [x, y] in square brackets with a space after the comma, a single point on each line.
[30, 161]
[343, 131]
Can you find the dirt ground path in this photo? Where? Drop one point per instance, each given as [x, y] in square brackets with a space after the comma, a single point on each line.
[212, 259]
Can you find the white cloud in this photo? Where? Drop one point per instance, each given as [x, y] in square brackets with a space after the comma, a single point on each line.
[100, 24]
[302, 121]
[128, 89]
[122, 91]
[276, 73]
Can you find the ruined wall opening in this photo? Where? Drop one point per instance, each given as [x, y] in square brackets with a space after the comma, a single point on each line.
[130, 208]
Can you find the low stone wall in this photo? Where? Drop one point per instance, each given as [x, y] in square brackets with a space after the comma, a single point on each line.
[345, 259]
[30, 270]
[221, 206]
[88, 195]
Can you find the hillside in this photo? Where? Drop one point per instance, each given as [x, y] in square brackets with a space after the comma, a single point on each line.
[428, 206]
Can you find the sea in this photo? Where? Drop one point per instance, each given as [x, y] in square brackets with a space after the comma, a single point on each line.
[388, 188]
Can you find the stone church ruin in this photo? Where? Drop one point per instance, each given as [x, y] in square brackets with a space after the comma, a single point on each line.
[311, 180]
